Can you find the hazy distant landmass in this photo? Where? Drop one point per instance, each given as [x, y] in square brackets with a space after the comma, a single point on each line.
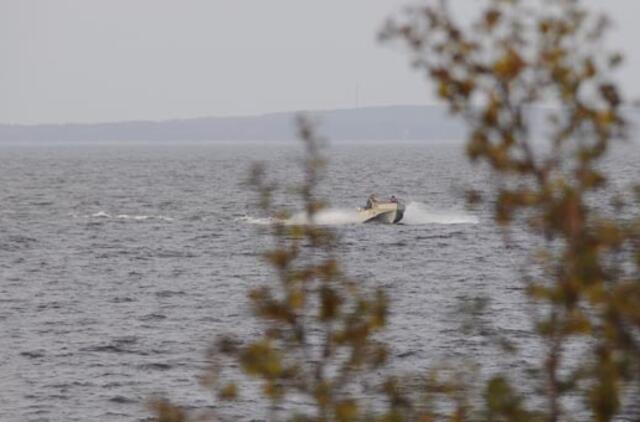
[370, 123]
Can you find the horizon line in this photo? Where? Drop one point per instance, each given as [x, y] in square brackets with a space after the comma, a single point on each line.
[211, 116]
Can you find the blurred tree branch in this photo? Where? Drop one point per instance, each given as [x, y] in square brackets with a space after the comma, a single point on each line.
[517, 60]
[513, 61]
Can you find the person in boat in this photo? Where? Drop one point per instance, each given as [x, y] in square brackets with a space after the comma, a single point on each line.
[371, 201]
[393, 199]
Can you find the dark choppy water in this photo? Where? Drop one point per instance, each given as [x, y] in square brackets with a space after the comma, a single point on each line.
[120, 263]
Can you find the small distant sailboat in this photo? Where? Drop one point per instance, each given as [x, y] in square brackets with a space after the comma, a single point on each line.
[390, 211]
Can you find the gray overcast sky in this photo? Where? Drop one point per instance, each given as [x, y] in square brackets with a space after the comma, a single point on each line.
[105, 60]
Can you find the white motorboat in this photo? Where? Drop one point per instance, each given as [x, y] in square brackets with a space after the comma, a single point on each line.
[380, 211]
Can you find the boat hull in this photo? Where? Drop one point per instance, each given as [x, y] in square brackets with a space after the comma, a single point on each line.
[388, 213]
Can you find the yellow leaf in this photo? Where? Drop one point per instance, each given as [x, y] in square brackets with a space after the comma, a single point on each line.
[228, 392]
[346, 410]
[509, 65]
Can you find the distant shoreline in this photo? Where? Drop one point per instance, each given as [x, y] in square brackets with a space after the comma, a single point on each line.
[368, 123]
[382, 123]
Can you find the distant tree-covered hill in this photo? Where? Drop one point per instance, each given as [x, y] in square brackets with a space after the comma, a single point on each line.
[371, 123]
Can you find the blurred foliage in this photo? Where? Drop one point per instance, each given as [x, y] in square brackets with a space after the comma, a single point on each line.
[319, 344]
[525, 72]
[521, 72]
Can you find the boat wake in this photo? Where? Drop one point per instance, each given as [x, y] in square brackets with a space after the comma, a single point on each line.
[416, 214]
[326, 217]
[106, 215]
[264, 221]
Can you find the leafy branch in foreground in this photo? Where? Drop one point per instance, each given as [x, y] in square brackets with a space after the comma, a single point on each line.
[527, 70]
[319, 345]
[521, 71]
[319, 327]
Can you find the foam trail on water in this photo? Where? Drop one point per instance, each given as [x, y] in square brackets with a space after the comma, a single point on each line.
[328, 217]
[418, 213]
[104, 214]
[101, 214]
[143, 217]
[256, 220]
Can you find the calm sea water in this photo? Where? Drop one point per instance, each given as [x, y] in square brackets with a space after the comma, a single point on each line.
[120, 263]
